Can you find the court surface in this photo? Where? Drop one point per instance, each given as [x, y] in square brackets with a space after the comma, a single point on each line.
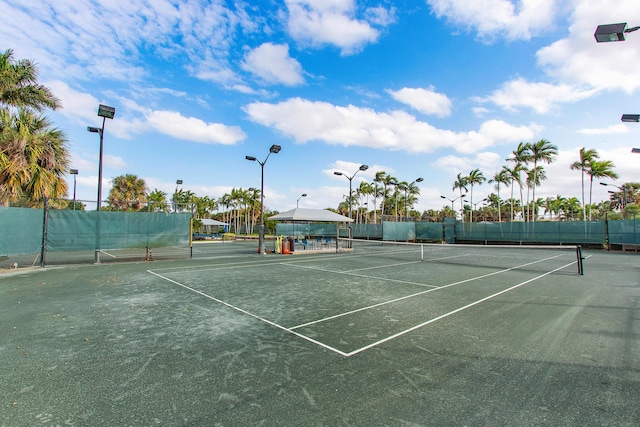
[231, 337]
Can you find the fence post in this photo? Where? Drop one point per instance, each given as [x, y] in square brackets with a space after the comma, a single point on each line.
[45, 215]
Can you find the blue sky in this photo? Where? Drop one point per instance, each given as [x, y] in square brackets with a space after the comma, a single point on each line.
[417, 88]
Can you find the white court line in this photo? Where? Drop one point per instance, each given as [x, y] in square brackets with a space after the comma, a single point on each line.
[107, 254]
[262, 319]
[291, 330]
[406, 331]
[420, 293]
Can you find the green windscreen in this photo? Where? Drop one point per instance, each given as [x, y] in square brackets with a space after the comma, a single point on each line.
[77, 230]
[20, 231]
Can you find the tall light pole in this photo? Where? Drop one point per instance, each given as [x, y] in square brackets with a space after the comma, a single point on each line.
[175, 196]
[74, 172]
[350, 178]
[624, 192]
[105, 112]
[273, 150]
[303, 195]
[453, 200]
[406, 207]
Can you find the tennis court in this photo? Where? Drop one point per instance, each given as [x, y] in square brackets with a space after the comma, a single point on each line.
[376, 335]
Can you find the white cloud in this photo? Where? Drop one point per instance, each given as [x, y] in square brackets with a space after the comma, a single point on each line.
[305, 121]
[333, 22]
[578, 58]
[272, 63]
[540, 97]
[426, 101]
[613, 129]
[511, 19]
[192, 129]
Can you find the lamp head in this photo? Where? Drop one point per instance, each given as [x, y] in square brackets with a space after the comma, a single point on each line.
[94, 129]
[630, 118]
[250, 158]
[304, 194]
[73, 171]
[419, 180]
[106, 111]
[364, 168]
[179, 182]
[442, 197]
[275, 149]
[635, 150]
[337, 173]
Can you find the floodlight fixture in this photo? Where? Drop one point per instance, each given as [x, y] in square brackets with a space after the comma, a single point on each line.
[630, 118]
[635, 150]
[274, 149]
[612, 32]
[106, 111]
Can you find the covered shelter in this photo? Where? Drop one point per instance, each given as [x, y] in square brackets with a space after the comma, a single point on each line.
[212, 226]
[309, 216]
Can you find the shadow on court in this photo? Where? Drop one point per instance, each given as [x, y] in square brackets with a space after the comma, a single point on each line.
[234, 338]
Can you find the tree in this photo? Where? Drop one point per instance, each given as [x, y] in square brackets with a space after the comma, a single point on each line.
[520, 156]
[19, 86]
[586, 157]
[33, 158]
[461, 184]
[157, 201]
[128, 192]
[33, 154]
[541, 151]
[599, 169]
[475, 177]
[502, 177]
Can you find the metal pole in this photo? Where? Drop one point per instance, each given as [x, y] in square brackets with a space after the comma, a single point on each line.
[74, 191]
[261, 228]
[99, 204]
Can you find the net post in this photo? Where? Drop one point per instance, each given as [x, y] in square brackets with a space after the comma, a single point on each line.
[422, 252]
[579, 259]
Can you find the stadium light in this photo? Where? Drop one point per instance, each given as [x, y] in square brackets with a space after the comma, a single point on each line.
[623, 189]
[273, 150]
[635, 150]
[303, 195]
[175, 196]
[453, 200]
[74, 172]
[630, 118]
[612, 32]
[350, 178]
[105, 112]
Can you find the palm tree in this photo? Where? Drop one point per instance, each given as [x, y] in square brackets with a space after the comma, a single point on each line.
[33, 158]
[19, 86]
[521, 156]
[461, 184]
[502, 177]
[599, 169]
[541, 151]
[386, 180]
[128, 192]
[475, 177]
[157, 201]
[586, 157]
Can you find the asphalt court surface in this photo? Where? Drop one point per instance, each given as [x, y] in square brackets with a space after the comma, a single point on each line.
[231, 337]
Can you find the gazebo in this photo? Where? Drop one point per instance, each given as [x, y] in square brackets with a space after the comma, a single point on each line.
[311, 215]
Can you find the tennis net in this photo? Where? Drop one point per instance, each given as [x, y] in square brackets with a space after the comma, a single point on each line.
[541, 257]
